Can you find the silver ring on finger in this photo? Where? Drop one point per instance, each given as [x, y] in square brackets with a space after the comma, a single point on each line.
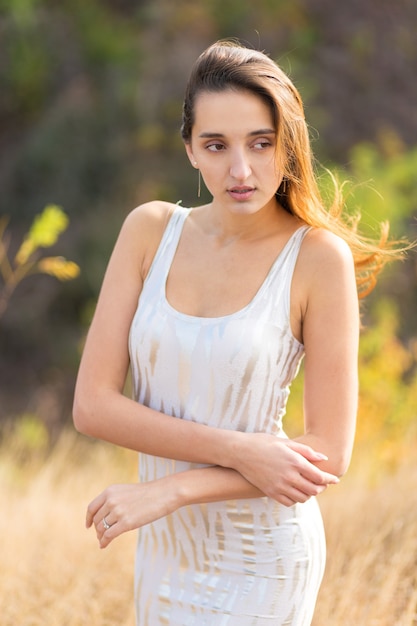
[106, 524]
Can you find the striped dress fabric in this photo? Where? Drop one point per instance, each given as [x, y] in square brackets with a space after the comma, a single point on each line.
[250, 562]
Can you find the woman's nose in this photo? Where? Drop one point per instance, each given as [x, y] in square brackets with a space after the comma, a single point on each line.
[240, 167]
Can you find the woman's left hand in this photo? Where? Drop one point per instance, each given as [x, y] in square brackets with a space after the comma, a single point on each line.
[124, 507]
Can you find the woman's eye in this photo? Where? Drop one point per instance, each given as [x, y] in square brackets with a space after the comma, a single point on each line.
[215, 147]
[262, 144]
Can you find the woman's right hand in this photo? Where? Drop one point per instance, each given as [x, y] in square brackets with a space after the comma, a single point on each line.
[282, 469]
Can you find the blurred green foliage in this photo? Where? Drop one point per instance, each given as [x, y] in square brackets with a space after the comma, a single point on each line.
[388, 377]
[385, 187]
[44, 233]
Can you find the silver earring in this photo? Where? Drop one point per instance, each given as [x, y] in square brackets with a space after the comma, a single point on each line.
[199, 180]
[284, 186]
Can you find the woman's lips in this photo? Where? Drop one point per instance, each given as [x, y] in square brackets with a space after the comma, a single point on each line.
[241, 193]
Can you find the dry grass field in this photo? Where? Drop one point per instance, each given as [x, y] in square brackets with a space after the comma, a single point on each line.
[53, 574]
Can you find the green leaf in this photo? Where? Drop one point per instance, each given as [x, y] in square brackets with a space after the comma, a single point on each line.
[44, 232]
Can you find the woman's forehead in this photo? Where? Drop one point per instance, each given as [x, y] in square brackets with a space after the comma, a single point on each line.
[231, 109]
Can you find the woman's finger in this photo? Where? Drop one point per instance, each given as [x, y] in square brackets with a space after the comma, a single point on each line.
[111, 533]
[108, 521]
[306, 451]
[92, 509]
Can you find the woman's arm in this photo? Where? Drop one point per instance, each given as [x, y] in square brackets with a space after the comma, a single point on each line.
[100, 409]
[130, 506]
[330, 335]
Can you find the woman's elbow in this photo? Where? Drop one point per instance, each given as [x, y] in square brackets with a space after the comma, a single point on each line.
[82, 415]
[338, 463]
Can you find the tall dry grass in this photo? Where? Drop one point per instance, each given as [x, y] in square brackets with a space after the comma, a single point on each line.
[53, 574]
[371, 528]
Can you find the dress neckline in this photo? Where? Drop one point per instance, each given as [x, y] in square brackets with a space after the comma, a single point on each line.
[240, 312]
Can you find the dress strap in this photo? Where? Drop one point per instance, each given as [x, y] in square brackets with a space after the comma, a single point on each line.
[166, 250]
[281, 275]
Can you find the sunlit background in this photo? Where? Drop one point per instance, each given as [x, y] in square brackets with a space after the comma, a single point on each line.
[90, 110]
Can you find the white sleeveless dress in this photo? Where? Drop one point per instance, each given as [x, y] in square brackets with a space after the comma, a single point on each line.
[247, 562]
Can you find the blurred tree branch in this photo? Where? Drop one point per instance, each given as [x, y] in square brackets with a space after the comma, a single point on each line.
[44, 232]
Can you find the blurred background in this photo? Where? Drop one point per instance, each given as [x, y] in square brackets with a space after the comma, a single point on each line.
[90, 108]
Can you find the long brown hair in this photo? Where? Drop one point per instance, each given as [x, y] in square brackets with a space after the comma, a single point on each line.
[229, 65]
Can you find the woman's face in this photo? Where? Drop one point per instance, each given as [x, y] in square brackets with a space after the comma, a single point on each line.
[233, 144]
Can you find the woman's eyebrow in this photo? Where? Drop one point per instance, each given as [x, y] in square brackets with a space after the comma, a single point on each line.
[208, 135]
[253, 133]
[262, 131]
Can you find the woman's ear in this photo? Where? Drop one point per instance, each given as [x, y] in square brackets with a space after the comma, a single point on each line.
[190, 155]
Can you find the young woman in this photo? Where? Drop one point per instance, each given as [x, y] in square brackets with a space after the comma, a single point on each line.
[214, 307]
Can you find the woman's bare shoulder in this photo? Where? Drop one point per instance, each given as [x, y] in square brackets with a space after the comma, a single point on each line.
[144, 227]
[325, 264]
[150, 217]
[321, 248]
